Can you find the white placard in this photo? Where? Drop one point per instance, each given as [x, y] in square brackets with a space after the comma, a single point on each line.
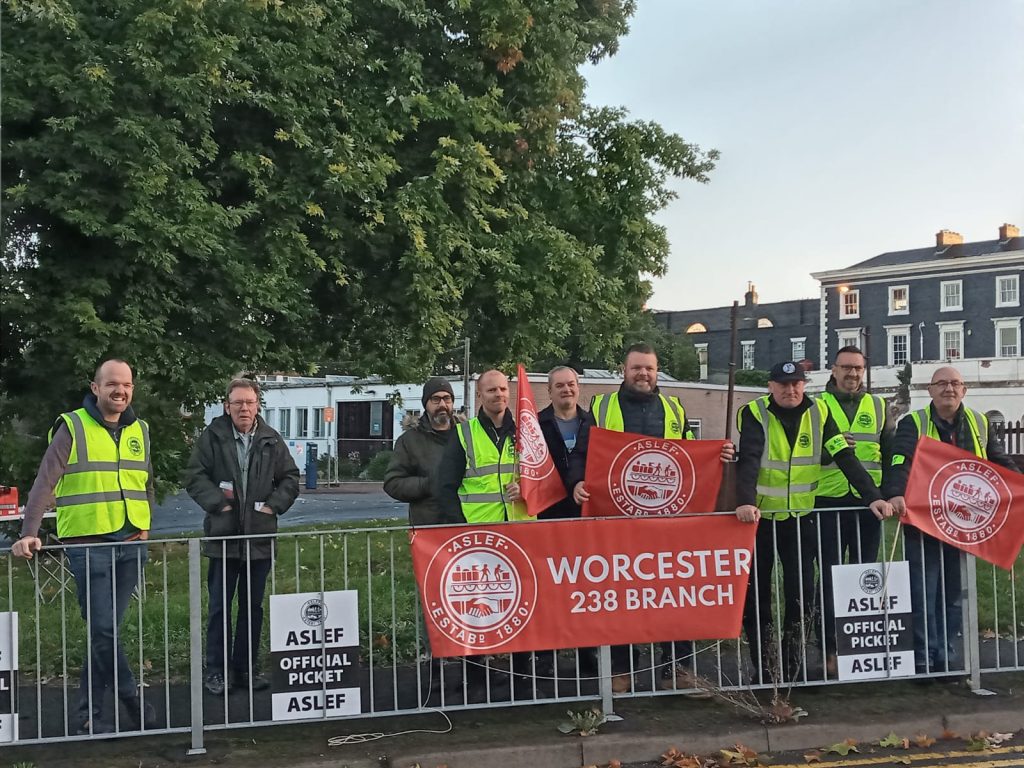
[874, 620]
[8, 677]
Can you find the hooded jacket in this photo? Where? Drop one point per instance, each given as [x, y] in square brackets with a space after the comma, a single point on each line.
[412, 470]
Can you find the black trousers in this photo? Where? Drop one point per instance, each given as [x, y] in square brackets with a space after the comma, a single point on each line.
[794, 541]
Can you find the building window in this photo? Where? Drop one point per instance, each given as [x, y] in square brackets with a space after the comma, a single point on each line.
[319, 425]
[951, 341]
[748, 355]
[269, 414]
[849, 305]
[849, 337]
[285, 427]
[697, 328]
[694, 426]
[764, 322]
[952, 296]
[899, 299]
[899, 344]
[302, 422]
[1007, 336]
[702, 360]
[1008, 291]
[799, 348]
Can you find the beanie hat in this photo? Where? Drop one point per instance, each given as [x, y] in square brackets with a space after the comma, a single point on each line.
[435, 385]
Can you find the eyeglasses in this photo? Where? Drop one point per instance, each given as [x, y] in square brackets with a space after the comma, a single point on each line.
[944, 383]
[439, 399]
[851, 368]
[240, 403]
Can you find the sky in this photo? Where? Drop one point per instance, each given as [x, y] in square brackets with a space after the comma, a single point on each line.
[847, 128]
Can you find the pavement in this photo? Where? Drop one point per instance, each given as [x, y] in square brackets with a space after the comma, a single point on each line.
[528, 736]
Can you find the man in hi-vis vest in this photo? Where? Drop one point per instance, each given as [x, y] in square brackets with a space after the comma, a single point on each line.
[863, 420]
[782, 440]
[640, 408]
[98, 471]
[478, 483]
[935, 586]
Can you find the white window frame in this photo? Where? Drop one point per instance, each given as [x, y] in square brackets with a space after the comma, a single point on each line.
[1003, 323]
[953, 327]
[892, 332]
[943, 307]
[802, 341]
[843, 314]
[844, 336]
[702, 359]
[1016, 289]
[285, 422]
[892, 307]
[269, 414]
[319, 425]
[744, 347]
[302, 423]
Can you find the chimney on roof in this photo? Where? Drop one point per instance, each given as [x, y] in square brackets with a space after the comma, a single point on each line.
[945, 238]
[750, 297]
[1006, 231]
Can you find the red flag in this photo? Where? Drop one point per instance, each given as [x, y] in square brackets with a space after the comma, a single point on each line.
[639, 476]
[967, 502]
[539, 483]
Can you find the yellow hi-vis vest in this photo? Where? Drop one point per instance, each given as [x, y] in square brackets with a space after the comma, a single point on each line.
[788, 477]
[487, 473]
[976, 421]
[608, 415]
[104, 482]
[866, 431]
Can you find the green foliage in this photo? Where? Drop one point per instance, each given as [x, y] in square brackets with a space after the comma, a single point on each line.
[903, 376]
[585, 722]
[208, 188]
[378, 465]
[751, 378]
[676, 354]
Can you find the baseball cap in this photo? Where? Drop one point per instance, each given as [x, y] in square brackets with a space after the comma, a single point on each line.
[787, 371]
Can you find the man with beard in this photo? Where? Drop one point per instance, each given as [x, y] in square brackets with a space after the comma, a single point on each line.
[862, 419]
[413, 468]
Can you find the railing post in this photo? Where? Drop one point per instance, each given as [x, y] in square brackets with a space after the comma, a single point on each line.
[604, 681]
[195, 626]
[972, 646]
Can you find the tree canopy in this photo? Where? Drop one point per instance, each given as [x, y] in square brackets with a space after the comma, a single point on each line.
[207, 187]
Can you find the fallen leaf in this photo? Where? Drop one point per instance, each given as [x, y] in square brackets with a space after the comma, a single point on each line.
[843, 748]
[998, 738]
[989, 634]
[948, 735]
[566, 728]
[923, 740]
[382, 641]
[902, 760]
[892, 740]
[814, 756]
[615, 764]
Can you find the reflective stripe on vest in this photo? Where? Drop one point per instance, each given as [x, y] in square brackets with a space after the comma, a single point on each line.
[104, 483]
[487, 474]
[608, 415]
[866, 432]
[976, 421]
[788, 477]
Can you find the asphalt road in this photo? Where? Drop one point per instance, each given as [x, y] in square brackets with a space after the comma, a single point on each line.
[180, 515]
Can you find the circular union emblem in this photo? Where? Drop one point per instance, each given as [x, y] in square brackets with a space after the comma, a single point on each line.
[969, 502]
[313, 612]
[481, 589]
[804, 440]
[864, 419]
[533, 450]
[651, 477]
[788, 368]
[134, 446]
[871, 582]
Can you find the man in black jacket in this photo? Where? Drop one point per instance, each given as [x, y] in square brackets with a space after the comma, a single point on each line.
[561, 423]
[243, 477]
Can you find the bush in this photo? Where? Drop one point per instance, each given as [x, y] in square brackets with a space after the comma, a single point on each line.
[378, 465]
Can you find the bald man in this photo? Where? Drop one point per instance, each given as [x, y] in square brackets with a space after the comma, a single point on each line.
[935, 588]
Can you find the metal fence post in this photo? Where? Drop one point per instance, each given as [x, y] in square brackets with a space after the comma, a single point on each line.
[604, 681]
[195, 626]
[972, 647]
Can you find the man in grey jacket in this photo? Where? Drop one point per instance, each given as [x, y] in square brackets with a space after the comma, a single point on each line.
[410, 475]
[243, 477]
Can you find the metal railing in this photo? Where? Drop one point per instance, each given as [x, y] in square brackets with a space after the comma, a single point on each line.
[164, 632]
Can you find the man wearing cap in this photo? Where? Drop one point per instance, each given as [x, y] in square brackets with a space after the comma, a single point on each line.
[783, 437]
[862, 418]
[413, 467]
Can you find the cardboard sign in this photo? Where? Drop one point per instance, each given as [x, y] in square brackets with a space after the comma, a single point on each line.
[314, 653]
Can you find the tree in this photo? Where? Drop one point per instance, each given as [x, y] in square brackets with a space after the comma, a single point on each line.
[206, 188]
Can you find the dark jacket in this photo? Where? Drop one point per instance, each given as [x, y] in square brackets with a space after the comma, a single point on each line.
[273, 479]
[560, 455]
[894, 478]
[452, 468]
[413, 470]
[752, 446]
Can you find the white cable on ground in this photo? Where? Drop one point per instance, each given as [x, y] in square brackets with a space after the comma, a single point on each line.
[362, 738]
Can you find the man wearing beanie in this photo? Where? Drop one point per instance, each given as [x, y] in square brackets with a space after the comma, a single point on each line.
[413, 467]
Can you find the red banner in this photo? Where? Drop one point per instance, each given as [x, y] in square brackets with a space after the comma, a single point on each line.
[638, 476]
[965, 501]
[567, 583]
[539, 482]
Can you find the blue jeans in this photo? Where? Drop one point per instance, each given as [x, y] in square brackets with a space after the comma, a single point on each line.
[249, 579]
[935, 591]
[105, 578]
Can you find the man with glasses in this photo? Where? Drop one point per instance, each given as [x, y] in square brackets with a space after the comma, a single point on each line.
[243, 477]
[862, 418]
[935, 586]
[413, 467]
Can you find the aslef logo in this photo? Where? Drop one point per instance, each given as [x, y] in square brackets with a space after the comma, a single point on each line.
[651, 477]
[533, 450]
[871, 582]
[313, 612]
[969, 501]
[481, 589]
